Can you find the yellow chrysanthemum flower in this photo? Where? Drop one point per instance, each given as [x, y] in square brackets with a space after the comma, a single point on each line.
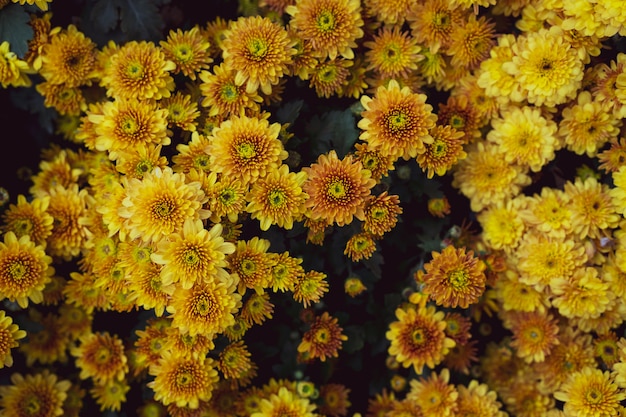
[206, 308]
[13, 71]
[286, 271]
[590, 392]
[524, 137]
[223, 96]
[418, 337]
[392, 53]
[110, 395]
[534, 334]
[478, 399]
[182, 380]
[138, 70]
[502, 224]
[323, 339]
[259, 50]
[189, 50]
[436, 395]
[25, 269]
[159, 204]
[445, 150]
[513, 294]
[69, 58]
[331, 26]
[548, 212]
[285, 402]
[471, 41]
[485, 177]
[278, 198]
[192, 255]
[251, 264]
[182, 112]
[28, 218]
[42, 4]
[397, 121]
[310, 288]
[584, 294]
[10, 333]
[40, 392]
[235, 364]
[547, 68]
[135, 161]
[246, 148]
[100, 356]
[432, 22]
[126, 124]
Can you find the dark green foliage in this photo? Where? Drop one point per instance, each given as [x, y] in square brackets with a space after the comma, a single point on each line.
[15, 29]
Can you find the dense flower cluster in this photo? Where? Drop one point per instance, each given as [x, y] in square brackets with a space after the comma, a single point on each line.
[192, 198]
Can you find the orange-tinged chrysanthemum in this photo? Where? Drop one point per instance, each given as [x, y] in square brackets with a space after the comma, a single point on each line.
[278, 198]
[10, 333]
[183, 380]
[234, 362]
[436, 395]
[323, 339]
[445, 150]
[397, 121]
[381, 214]
[590, 392]
[331, 26]
[137, 160]
[432, 22]
[310, 288]
[392, 53]
[485, 177]
[67, 101]
[188, 49]
[191, 155]
[418, 337]
[128, 123]
[251, 264]
[47, 345]
[206, 308]
[548, 70]
[334, 400]
[69, 58]
[182, 111]
[329, 77]
[524, 137]
[374, 160]
[471, 42]
[110, 395]
[185, 344]
[285, 402]
[338, 188]
[227, 197]
[286, 271]
[534, 334]
[246, 148]
[454, 277]
[25, 269]
[159, 204]
[38, 395]
[259, 50]
[28, 218]
[257, 308]
[54, 172]
[138, 70]
[100, 356]
[192, 255]
[223, 96]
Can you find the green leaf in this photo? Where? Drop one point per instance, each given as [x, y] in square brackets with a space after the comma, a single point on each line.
[289, 112]
[333, 130]
[141, 20]
[356, 339]
[15, 29]
[105, 15]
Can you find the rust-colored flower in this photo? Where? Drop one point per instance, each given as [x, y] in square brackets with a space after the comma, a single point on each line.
[323, 339]
[100, 356]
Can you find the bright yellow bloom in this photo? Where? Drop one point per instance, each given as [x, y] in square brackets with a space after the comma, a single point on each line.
[25, 269]
[584, 294]
[69, 58]
[331, 26]
[251, 264]
[138, 70]
[188, 49]
[478, 399]
[502, 224]
[110, 395]
[183, 380]
[10, 333]
[159, 204]
[593, 209]
[436, 395]
[28, 218]
[223, 96]
[310, 288]
[192, 255]
[259, 50]
[397, 121]
[13, 71]
[590, 392]
[285, 403]
[392, 53]
[206, 308]
[278, 198]
[246, 148]
[418, 337]
[100, 356]
[182, 112]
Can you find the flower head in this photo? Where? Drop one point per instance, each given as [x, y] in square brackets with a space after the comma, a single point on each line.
[392, 53]
[10, 333]
[235, 363]
[100, 356]
[246, 148]
[381, 214]
[223, 96]
[25, 269]
[331, 26]
[189, 50]
[590, 392]
[454, 278]
[284, 402]
[69, 58]
[443, 152]
[534, 334]
[310, 288]
[13, 71]
[338, 189]
[259, 50]
[397, 121]
[183, 380]
[436, 395]
[433, 21]
[138, 70]
[38, 395]
[323, 339]
[251, 264]
[418, 337]
[471, 42]
[28, 218]
[182, 112]
[360, 246]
